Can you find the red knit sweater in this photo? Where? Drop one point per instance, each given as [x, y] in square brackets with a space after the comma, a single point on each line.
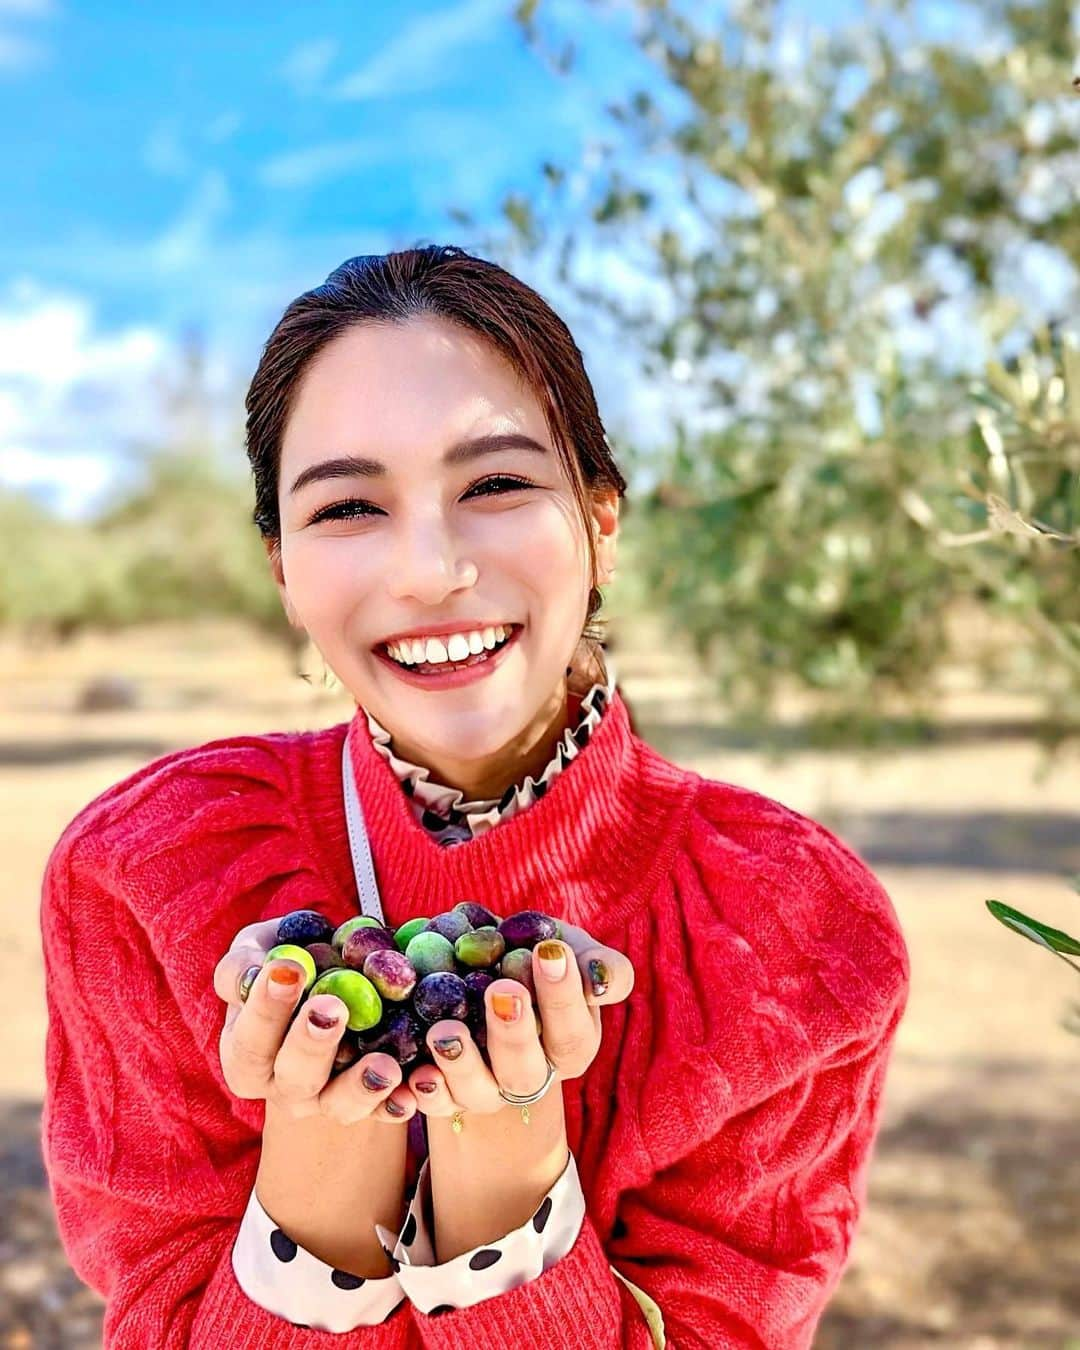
[722, 1135]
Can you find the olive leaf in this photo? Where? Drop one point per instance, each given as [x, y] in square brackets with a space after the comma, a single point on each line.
[1053, 939]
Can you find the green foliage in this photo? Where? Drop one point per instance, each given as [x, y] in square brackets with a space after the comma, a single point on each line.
[814, 213]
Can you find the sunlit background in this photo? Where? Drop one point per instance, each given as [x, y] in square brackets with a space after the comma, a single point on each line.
[821, 261]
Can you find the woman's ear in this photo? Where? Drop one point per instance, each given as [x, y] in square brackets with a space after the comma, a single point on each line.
[605, 513]
[273, 553]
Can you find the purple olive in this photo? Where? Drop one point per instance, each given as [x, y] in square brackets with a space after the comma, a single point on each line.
[398, 1035]
[361, 942]
[348, 1052]
[440, 995]
[517, 965]
[528, 928]
[475, 983]
[303, 927]
[391, 973]
[451, 925]
[325, 956]
[477, 915]
[480, 948]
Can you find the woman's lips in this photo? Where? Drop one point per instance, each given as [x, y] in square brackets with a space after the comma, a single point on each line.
[451, 679]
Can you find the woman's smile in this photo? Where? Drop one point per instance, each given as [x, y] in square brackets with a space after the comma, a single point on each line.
[453, 674]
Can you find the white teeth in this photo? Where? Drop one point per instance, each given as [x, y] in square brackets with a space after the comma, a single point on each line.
[435, 651]
[457, 647]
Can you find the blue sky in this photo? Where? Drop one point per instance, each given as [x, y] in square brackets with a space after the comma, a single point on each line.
[169, 166]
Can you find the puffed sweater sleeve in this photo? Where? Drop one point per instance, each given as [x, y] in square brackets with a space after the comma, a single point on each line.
[771, 979]
[149, 1158]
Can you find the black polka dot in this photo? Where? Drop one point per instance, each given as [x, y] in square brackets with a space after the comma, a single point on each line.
[343, 1280]
[409, 1231]
[441, 1308]
[433, 821]
[619, 1229]
[540, 789]
[542, 1215]
[407, 787]
[581, 735]
[284, 1247]
[507, 797]
[482, 1260]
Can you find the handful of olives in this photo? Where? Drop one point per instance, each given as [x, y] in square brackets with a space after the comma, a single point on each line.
[396, 983]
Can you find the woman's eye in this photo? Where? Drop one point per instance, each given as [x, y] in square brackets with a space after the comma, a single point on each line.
[344, 510]
[500, 478]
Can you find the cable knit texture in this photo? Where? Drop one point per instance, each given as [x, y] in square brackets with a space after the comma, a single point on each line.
[722, 1135]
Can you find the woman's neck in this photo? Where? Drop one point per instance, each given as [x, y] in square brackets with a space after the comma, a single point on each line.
[527, 754]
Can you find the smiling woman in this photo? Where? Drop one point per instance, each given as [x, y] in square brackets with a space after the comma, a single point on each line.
[713, 1002]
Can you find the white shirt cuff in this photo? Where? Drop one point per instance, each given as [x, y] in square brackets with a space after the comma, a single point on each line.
[496, 1266]
[286, 1279]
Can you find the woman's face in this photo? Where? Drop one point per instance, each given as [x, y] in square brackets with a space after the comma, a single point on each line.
[413, 538]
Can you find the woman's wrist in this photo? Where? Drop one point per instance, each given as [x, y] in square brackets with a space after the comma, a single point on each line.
[327, 1185]
[490, 1178]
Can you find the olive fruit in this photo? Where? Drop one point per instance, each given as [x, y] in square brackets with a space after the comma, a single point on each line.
[358, 994]
[304, 926]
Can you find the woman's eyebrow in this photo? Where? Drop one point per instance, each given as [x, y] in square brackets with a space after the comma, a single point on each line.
[356, 466]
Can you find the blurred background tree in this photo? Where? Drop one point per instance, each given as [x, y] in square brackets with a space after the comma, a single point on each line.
[830, 208]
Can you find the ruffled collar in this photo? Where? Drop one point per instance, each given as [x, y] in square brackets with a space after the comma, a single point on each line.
[442, 810]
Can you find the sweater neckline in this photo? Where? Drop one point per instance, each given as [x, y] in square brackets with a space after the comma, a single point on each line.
[588, 851]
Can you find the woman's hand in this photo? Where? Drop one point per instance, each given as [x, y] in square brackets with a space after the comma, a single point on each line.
[263, 1056]
[570, 1031]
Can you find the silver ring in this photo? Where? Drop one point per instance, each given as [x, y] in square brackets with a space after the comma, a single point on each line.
[514, 1099]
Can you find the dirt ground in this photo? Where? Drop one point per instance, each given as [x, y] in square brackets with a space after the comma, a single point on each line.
[971, 1236]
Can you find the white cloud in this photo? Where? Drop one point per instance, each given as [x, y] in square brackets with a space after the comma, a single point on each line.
[308, 63]
[185, 239]
[26, 9]
[301, 168]
[19, 54]
[71, 396]
[423, 51]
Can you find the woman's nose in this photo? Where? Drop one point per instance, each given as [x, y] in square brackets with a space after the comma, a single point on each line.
[428, 564]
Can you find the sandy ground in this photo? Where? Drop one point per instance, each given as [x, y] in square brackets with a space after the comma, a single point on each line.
[971, 1237]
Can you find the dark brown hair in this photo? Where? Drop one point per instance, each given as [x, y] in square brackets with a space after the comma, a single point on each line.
[447, 281]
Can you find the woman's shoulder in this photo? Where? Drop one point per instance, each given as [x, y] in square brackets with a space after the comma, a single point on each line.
[772, 868]
[190, 809]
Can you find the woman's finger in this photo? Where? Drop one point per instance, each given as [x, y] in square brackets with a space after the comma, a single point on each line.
[302, 1065]
[513, 1046]
[607, 975]
[248, 948]
[432, 1095]
[571, 1027]
[468, 1078]
[371, 1087]
[251, 1039]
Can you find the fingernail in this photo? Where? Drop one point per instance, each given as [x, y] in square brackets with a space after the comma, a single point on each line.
[598, 977]
[284, 980]
[552, 960]
[321, 1023]
[375, 1081]
[449, 1048]
[247, 980]
[506, 1006]
[393, 1109]
[427, 1086]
